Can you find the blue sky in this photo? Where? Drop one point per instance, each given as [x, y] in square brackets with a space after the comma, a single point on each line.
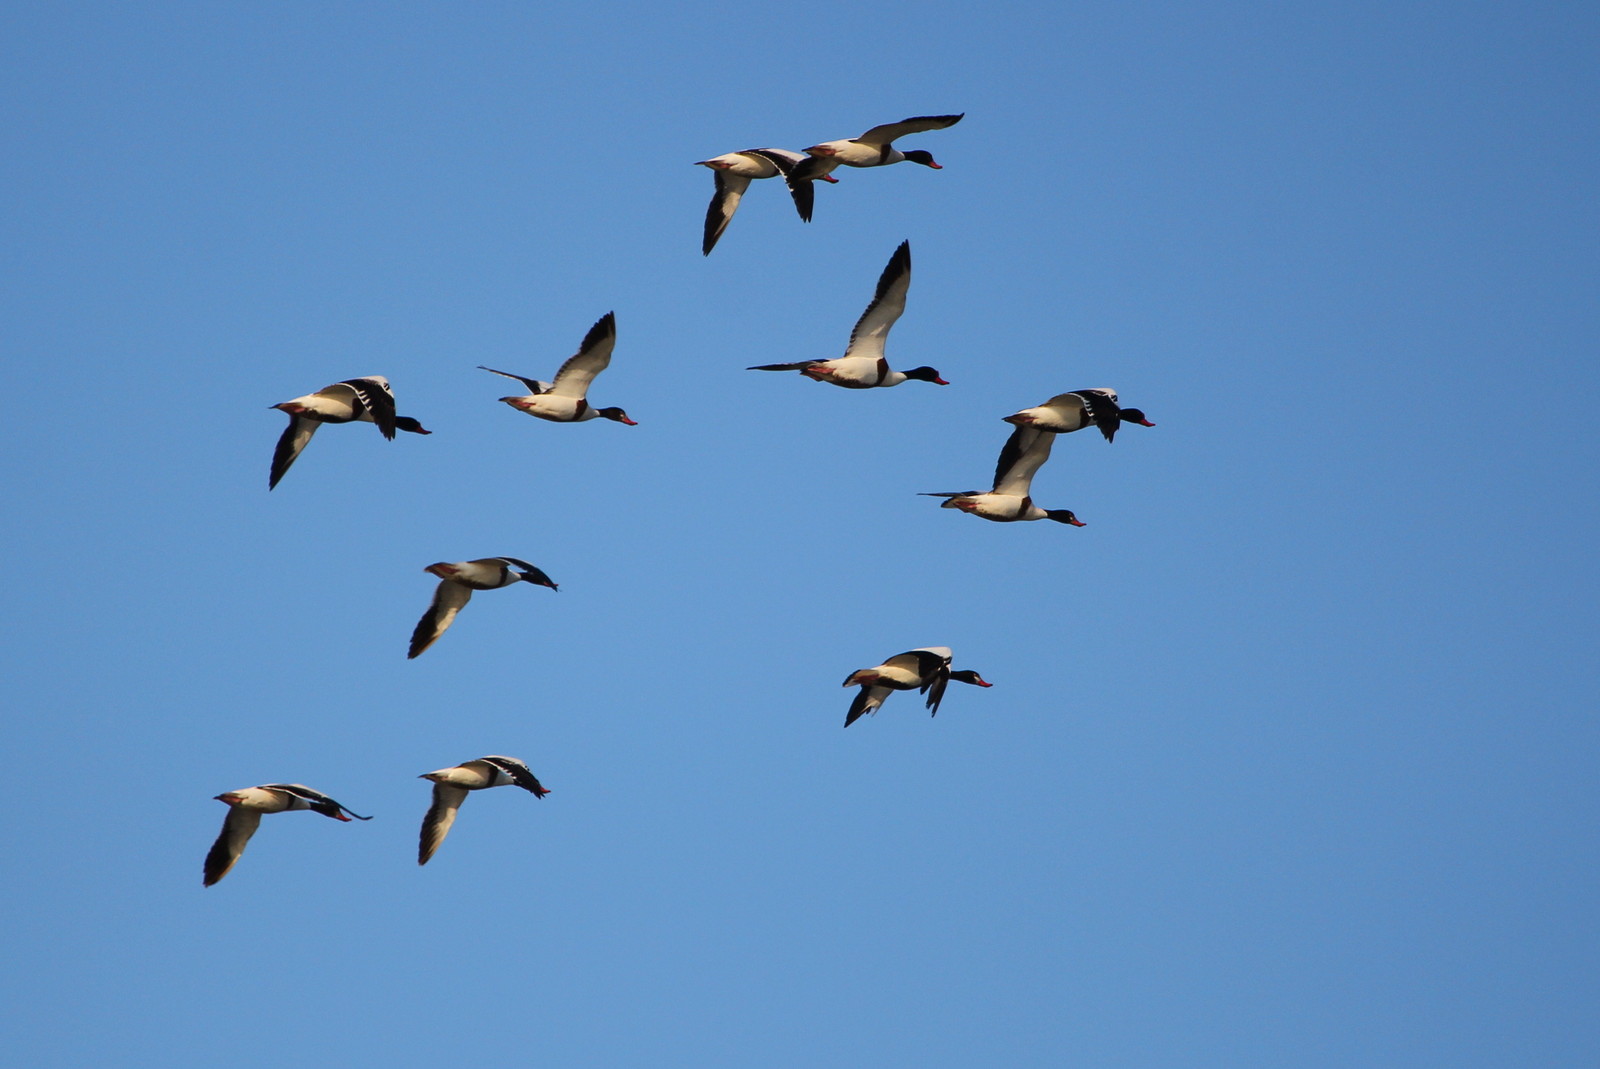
[1289, 755]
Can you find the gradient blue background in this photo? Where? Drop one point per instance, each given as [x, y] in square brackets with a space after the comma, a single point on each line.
[1290, 755]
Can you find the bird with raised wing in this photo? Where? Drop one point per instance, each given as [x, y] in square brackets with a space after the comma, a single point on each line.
[1023, 455]
[734, 171]
[1077, 409]
[875, 148]
[367, 399]
[456, 584]
[450, 787]
[565, 400]
[863, 364]
[926, 669]
[245, 808]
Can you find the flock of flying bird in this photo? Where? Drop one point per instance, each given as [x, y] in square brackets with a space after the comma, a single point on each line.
[565, 400]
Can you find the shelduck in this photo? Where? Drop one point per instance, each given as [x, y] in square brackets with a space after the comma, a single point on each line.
[564, 401]
[367, 399]
[1076, 409]
[863, 365]
[245, 808]
[1023, 455]
[450, 787]
[926, 669]
[456, 584]
[734, 172]
[873, 148]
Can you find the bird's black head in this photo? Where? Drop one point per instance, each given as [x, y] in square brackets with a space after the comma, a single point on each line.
[926, 374]
[1064, 516]
[617, 414]
[1133, 415]
[967, 675]
[406, 423]
[537, 578]
[925, 158]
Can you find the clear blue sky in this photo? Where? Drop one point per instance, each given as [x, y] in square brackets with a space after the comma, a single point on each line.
[1289, 758]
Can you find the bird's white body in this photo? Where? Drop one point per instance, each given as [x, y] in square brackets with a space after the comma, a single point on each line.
[1063, 413]
[855, 372]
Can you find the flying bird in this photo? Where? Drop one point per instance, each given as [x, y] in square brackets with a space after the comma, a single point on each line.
[1023, 455]
[1077, 409]
[367, 399]
[456, 584]
[863, 365]
[563, 401]
[873, 148]
[926, 669]
[734, 172]
[450, 787]
[245, 807]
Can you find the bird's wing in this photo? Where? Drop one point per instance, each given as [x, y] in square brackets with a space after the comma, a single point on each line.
[1023, 454]
[535, 386]
[375, 395]
[441, 814]
[724, 202]
[941, 679]
[801, 366]
[866, 701]
[591, 358]
[885, 134]
[447, 601]
[294, 438]
[801, 190]
[813, 168]
[1100, 404]
[521, 775]
[872, 329]
[781, 158]
[315, 799]
[804, 194]
[236, 831]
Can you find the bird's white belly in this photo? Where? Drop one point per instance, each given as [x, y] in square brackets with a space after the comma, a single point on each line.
[332, 409]
[470, 778]
[855, 154]
[560, 409]
[999, 507]
[1061, 421]
[854, 371]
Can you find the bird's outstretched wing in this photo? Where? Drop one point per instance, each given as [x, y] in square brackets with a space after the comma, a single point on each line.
[448, 600]
[885, 134]
[293, 440]
[872, 329]
[592, 357]
[236, 831]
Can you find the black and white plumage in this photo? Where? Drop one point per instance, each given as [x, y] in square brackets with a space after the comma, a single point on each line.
[734, 171]
[456, 584]
[565, 400]
[450, 787]
[926, 669]
[1020, 459]
[863, 364]
[875, 148]
[368, 399]
[1076, 409]
[245, 808]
